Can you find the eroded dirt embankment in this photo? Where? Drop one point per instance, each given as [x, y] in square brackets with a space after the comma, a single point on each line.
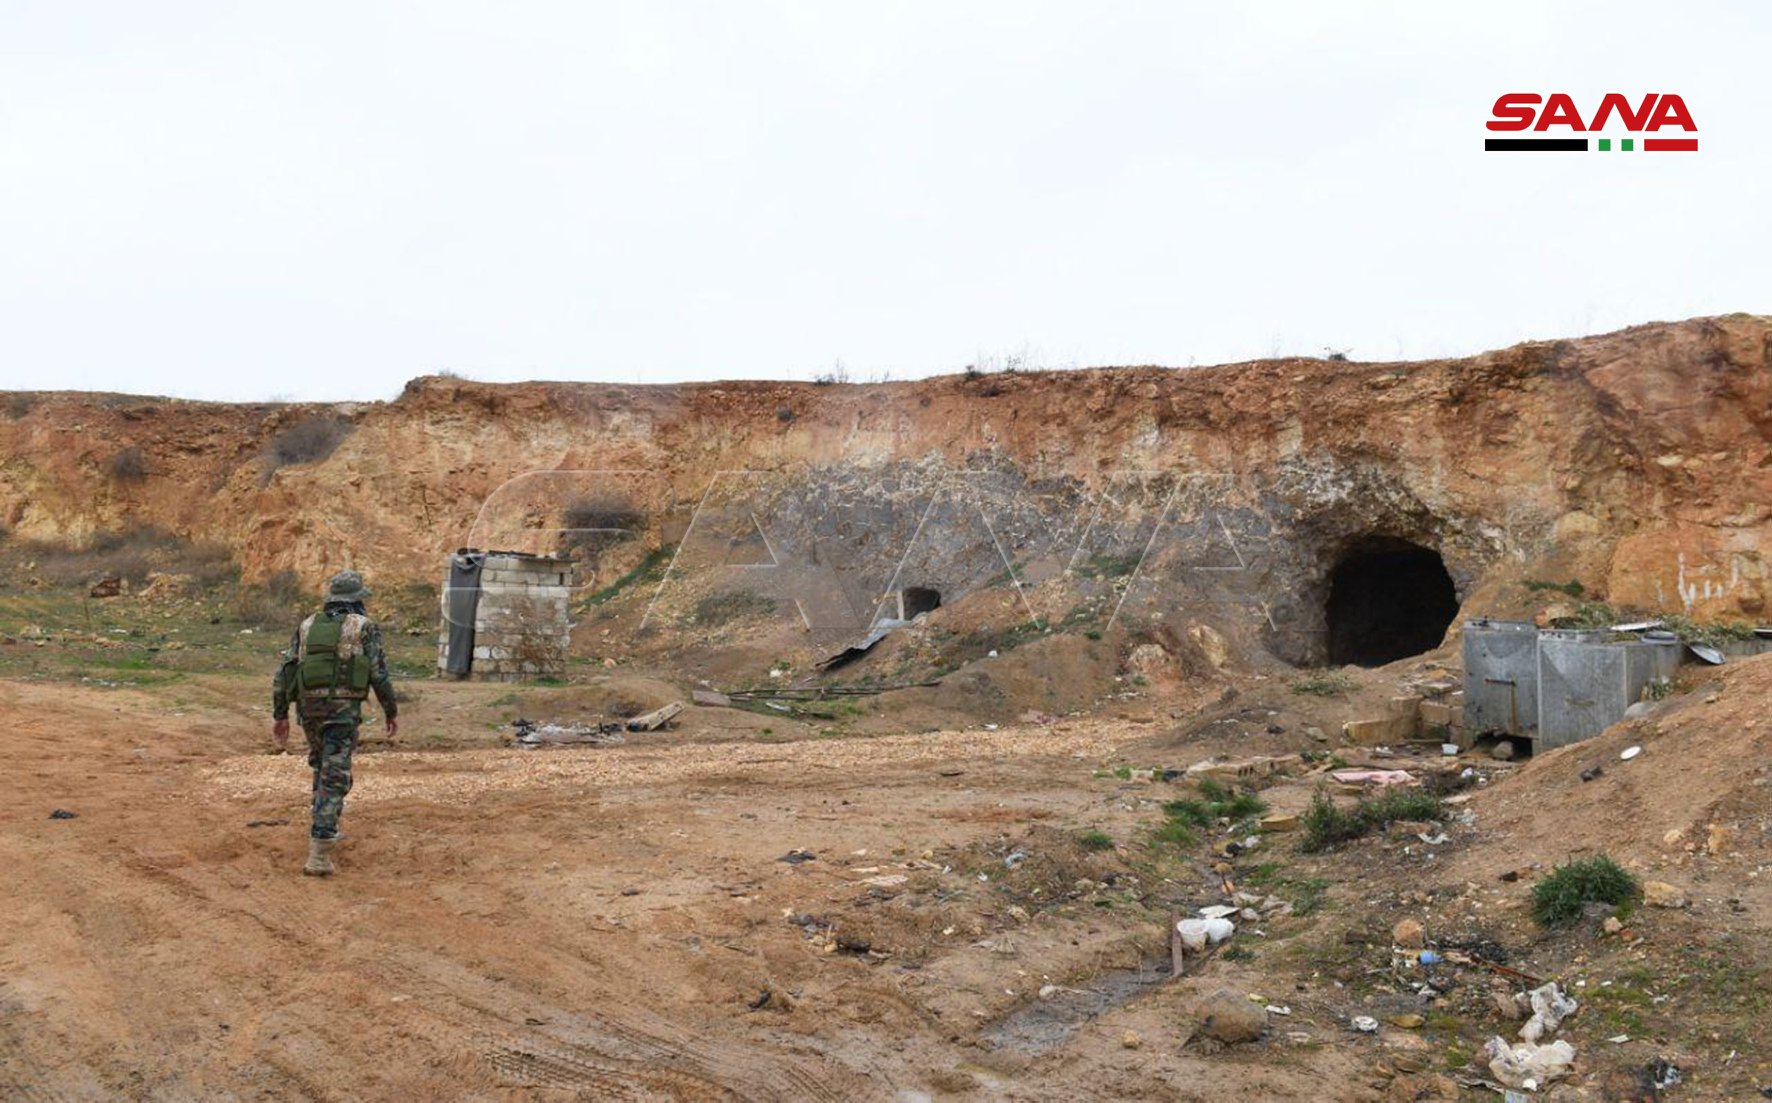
[1637, 461]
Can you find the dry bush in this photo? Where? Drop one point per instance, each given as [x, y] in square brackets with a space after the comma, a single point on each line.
[307, 441]
[19, 404]
[596, 524]
[273, 601]
[128, 466]
[129, 554]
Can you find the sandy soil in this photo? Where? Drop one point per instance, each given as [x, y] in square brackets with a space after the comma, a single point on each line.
[618, 922]
[539, 924]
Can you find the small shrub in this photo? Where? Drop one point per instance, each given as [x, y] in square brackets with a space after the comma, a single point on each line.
[1324, 824]
[19, 404]
[1330, 683]
[1571, 587]
[594, 525]
[1559, 899]
[307, 441]
[1217, 802]
[1711, 632]
[128, 466]
[120, 553]
[1095, 839]
[1589, 614]
[1174, 831]
[274, 601]
[1194, 812]
[1398, 803]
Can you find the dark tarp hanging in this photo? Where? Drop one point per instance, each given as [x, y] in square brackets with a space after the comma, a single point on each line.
[461, 602]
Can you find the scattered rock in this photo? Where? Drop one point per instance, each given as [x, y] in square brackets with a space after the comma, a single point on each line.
[1503, 751]
[1228, 1016]
[64, 814]
[1410, 1021]
[798, 857]
[1660, 894]
[1365, 1024]
[1131, 1040]
[1612, 925]
[1408, 934]
[1718, 839]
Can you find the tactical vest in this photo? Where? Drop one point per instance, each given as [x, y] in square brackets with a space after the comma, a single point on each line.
[330, 662]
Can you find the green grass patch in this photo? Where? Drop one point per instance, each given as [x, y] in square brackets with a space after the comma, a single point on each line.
[1307, 895]
[1107, 566]
[649, 569]
[1326, 824]
[1215, 802]
[1571, 587]
[1559, 898]
[1329, 683]
[1174, 832]
[1095, 839]
[1711, 632]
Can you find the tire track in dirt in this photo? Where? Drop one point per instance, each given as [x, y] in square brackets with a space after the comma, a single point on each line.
[619, 1056]
[21, 1077]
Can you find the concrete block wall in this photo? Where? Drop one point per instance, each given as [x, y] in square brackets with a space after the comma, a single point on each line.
[523, 625]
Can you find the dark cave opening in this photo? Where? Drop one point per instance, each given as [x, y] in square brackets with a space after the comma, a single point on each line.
[918, 600]
[1388, 599]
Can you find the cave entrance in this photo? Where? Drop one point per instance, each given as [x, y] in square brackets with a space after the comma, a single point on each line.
[914, 601]
[1388, 599]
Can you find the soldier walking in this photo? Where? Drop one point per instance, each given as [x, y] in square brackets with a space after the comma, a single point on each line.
[334, 659]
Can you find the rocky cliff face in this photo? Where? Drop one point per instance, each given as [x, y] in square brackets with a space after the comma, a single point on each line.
[1638, 462]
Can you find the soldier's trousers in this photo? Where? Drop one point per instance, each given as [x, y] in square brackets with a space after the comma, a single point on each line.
[330, 746]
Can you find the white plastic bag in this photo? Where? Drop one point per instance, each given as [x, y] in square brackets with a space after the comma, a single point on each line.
[1197, 934]
[1526, 1065]
[1549, 1008]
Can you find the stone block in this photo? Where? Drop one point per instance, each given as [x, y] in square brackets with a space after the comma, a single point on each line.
[1372, 733]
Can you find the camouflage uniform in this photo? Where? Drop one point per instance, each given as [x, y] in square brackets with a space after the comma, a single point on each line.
[330, 723]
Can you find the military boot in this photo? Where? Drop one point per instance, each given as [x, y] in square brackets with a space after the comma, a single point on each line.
[319, 857]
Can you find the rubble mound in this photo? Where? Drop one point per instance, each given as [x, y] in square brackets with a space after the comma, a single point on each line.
[1696, 793]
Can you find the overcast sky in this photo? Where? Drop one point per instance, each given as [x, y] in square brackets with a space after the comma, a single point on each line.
[323, 200]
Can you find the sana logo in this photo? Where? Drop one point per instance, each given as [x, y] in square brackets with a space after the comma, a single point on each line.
[1654, 113]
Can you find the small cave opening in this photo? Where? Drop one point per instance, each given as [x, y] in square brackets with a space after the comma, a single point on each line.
[1388, 599]
[917, 600]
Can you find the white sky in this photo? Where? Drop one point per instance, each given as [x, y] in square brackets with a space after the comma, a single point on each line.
[322, 200]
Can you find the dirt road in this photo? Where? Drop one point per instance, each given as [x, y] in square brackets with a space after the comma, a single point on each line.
[520, 924]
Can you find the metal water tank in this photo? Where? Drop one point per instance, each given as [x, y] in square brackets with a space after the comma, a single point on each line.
[1586, 679]
[1501, 676]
